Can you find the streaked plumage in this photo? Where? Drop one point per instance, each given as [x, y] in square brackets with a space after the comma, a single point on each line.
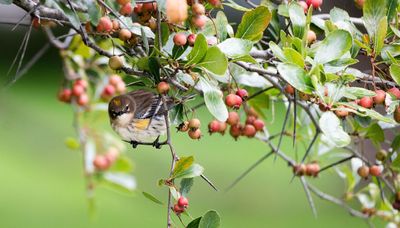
[138, 115]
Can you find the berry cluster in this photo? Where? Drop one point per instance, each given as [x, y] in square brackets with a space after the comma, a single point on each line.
[78, 93]
[181, 205]
[115, 86]
[316, 4]
[312, 169]
[364, 171]
[103, 162]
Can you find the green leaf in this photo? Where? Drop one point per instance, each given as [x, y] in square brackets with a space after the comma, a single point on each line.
[373, 12]
[214, 61]
[330, 126]
[210, 219]
[152, 198]
[375, 133]
[194, 170]
[292, 56]
[390, 50]
[221, 23]
[199, 50]
[254, 23]
[213, 99]
[235, 6]
[379, 39]
[119, 181]
[298, 19]
[72, 143]
[186, 185]
[164, 33]
[296, 77]
[194, 223]
[122, 164]
[235, 47]
[391, 6]
[358, 92]
[395, 72]
[154, 68]
[183, 164]
[334, 46]
[396, 163]
[396, 143]
[93, 11]
[277, 51]
[177, 51]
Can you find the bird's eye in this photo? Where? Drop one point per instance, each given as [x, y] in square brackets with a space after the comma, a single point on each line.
[126, 108]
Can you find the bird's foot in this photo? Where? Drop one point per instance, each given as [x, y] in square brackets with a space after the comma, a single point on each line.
[157, 144]
[134, 144]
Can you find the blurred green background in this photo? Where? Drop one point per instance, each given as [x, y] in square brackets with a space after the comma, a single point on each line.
[42, 183]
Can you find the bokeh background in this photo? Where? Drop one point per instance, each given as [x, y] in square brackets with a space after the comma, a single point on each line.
[42, 184]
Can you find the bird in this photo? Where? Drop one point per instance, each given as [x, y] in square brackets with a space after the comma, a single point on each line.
[139, 116]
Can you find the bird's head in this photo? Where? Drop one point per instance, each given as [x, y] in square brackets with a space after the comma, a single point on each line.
[120, 105]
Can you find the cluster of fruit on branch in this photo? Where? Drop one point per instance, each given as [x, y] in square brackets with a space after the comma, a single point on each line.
[104, 161]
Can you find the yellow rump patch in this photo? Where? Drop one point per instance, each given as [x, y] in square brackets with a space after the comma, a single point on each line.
[117, 102]
[142, 124]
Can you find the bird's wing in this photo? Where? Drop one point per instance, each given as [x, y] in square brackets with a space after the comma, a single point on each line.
[149, 104]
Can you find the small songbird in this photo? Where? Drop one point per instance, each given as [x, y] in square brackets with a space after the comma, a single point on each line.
[139, 116]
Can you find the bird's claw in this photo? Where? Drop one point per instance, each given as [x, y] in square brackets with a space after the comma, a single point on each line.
[134, 144]
[156, 143]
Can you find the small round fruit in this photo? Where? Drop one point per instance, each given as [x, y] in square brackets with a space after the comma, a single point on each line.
[109, 90]
[395, 92]
[105, 25]
[304, 96]
[191, 39]
[198, 9]
[178, 210]
[195, 134]
[289, 89]
[363, 171]
[115, 24]
[222, 127]
[233, 100]
[396, 114]
[183, 127]
[138, 8]
[180, 39]
[250, 119]
[65, 95]
[126, 9]
[150, 6]
[83, 100]
[115, 62]
[312, 169]
[233, 118]
[375, 171]
[249, 131]
[78, 90]
[199, 21]
[235, 131]
[315, 3]
[81, 82]
[299, 170]
[120, 87]
[214, 126]
[112, 154]
[366, 102]
[114, 80]
[341, 112]
[304, 5]
[251, 112]
[152, 23]
[259, 124]
[163, 87]
[183, 202]
[242, 93]
[379, 98]
[311, 37]
[100, 162]
[215, 3]
[359, 3]
[381, 155]
[194, 123]
[123, 2]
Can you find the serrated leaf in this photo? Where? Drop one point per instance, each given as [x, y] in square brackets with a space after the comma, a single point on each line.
[213, 99]
[199, 50]
[379, 39]
[334, 46]
[277, 51]
[210, 219]
[152, 198]
[254, 23]
[298, 19]
[194, 170]
[358, 92]
[183, 164]
[331, 128]
[296, 77]
[221, 23]
[373, 12]
[186, 185]
[214, 61]
[292, 56]
[395, 72]
[235, 47]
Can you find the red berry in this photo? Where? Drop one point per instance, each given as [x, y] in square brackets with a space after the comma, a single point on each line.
[250, 119]
[379, 98]
[112, 154]
[183, 127]
[114, 80]
[178, 210]
[194, 123]
[375, 170]
[109, 90]
[215, 3]
[123, 2]
[222, 127]
[120, 87]
[242, 93]
[198, 9]
[105, 25]
[233, 118]
[126, 9]
[65, 95]
[162, 87]
[81, 82]
[249, 131]
[235, 130]
[304, 5]
[311, 37]
[289, 89]
[395, 92]
[100, 162]
[191, 39]
[214, 126]
[312, 169]
[78, 90]
[180, 39]
[150, 6]
[360, 3]
[299, 170]
[366, 102]
[315, 3]
[183, 202]
[363, 171]
[199, 21]
[233, 100]
[195, 134]
[340, 112]
[138, 8]
[258, 124]
[83, 99]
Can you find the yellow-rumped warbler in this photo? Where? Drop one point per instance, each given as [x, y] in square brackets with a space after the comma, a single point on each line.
[138, 116]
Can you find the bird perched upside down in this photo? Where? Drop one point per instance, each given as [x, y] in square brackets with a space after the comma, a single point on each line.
[138, 117]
